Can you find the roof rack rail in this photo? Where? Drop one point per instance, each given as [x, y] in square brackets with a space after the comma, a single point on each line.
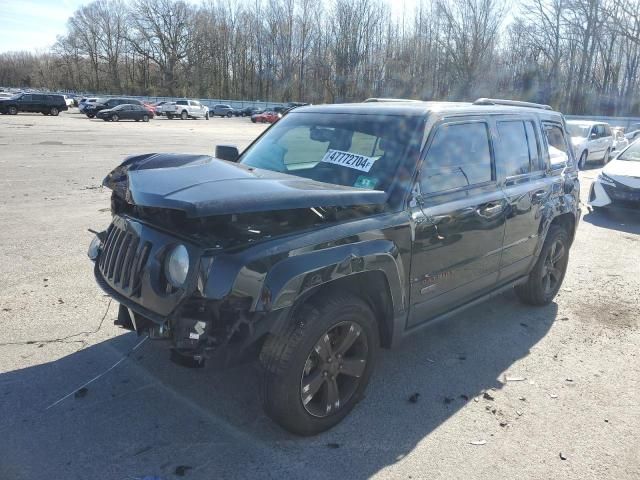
[511, 103]
[368, 100]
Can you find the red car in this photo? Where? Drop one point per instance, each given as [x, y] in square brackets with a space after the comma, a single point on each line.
[150, 107]
[266, 117]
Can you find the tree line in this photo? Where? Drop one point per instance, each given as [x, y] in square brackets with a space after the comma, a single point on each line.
[580, 56]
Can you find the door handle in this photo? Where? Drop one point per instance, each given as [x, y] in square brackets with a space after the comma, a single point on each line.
[539, 195]
[490, 210]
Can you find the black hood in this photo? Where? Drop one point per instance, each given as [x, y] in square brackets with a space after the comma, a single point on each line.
[200, 186]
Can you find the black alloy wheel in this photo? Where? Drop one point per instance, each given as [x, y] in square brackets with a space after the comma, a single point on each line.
[553, 270]
[333, 369]
[547, 275]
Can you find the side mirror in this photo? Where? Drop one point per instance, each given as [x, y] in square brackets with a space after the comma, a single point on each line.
[593, 135]
[227, 152]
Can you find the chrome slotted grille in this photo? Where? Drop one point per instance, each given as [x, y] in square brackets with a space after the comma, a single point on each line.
[123, 258]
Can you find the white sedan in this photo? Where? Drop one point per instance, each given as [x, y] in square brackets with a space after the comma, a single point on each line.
[618, 185]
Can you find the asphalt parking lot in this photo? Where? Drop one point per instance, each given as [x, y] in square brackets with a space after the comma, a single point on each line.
[505, 391]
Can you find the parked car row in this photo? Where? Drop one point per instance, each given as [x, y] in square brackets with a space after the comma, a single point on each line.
[598, 141]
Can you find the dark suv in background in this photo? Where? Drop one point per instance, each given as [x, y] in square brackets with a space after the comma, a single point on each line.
[340, 230]
[45, 103]
[91, 109]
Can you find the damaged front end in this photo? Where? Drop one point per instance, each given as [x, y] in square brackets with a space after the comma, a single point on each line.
[178, 264]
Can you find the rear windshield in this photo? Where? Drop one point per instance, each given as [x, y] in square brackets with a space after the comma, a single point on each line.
[363, 151]
[632, 153]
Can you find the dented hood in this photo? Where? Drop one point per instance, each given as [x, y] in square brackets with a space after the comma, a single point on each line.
[201, 186]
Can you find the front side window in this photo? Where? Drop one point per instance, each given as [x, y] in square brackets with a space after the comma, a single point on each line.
[458, 156]
[576, 130]
[558, 148]
[26, 98]
[364, 151]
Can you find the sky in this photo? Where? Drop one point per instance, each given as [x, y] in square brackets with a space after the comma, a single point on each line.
[33, 25]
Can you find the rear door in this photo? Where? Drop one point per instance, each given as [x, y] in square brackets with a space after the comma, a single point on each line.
[458, 218]
[25, 103]
[527, 188]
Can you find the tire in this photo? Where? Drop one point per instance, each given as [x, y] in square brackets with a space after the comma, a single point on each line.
[288, 360]
[90, 115]
[229, 115]
[605, 159]
[253, 120]
[13, 110]
[582, 163]
[169, 116]
[184, 115]
[114, 118]
[54, 111]
[536, 291]
[145, 118]
[206, 116]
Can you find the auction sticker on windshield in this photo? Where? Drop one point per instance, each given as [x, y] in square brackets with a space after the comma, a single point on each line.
[350, 160]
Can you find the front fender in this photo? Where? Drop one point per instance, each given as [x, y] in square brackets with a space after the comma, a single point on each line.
[294, 276]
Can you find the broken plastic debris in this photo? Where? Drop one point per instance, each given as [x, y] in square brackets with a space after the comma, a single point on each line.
[81, 392]
[487, 396]
[181, 470]
[562, 456]
[514, 379]
[553, 395]
[519, 412]
[478, 442]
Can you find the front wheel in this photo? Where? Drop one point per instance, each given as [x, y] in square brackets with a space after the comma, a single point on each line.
[316, 371]
[13, 110]
[229, 114]
[547, 275]
[605, 159]
[145, 118]
[184, 115]
[114, 118]
[582, 163]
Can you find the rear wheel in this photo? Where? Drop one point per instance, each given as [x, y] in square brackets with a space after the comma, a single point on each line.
[90, 115]
[605, 159]
[145, 118]
[317, 370]
[54, 111]
[546, 277]
[206, 116]
[229, 114]
[184, 115]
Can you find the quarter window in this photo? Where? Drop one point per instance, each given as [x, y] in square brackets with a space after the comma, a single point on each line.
[459, 156]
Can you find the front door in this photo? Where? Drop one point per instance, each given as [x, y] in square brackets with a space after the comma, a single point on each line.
[458, 218]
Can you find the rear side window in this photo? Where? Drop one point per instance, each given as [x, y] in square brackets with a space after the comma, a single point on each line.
[558, 147]
[459, 156]
[512, 152]
[181, 102]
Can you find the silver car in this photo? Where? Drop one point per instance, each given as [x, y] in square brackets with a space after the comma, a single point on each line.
[591, 141]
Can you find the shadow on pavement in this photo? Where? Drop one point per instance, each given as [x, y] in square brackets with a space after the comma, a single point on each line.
[620, 220]
[148, 416]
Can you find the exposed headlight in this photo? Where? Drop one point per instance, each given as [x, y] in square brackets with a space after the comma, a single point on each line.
[176, 266]
[94, 248]
[602, 178]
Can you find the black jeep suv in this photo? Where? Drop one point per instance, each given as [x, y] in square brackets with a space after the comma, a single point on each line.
[342, 229]
[45, 103]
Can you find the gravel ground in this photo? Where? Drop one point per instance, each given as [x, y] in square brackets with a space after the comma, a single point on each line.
[505, 391]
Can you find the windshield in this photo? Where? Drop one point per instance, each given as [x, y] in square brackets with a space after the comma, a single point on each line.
[362, 151]
[581, 131]
[631, 154]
